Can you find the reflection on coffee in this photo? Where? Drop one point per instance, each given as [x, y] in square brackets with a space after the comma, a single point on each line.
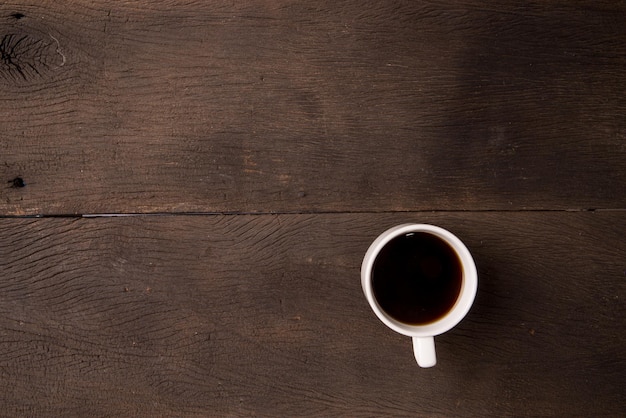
[416, 278]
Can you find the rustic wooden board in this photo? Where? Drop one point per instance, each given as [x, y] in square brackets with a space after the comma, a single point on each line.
[276, 106]
[263, 315]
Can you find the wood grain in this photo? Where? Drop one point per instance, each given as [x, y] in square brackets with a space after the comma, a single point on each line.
[274, 106]
[298, 132]
[264, 316]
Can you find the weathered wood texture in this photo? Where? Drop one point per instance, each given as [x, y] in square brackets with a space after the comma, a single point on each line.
[264, 315]
[264, 106]
[351, 116]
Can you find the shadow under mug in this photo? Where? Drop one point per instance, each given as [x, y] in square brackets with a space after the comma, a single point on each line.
[422, 335]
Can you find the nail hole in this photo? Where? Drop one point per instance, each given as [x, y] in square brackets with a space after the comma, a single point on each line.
[17, 182]
[17, 15]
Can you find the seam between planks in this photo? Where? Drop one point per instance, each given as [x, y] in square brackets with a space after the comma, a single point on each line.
[313, 212]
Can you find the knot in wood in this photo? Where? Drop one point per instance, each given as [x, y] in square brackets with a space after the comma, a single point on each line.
[26, 57]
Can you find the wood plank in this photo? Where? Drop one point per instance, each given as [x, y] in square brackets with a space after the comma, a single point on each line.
[273, 106]
[264, 315]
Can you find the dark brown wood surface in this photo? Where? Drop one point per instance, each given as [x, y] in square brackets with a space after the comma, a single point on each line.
[264, 106]
[264, 315]
[187, 189]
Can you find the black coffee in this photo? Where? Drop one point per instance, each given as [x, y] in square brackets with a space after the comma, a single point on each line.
[417, 278]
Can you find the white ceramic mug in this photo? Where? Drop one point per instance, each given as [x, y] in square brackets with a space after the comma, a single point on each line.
[422, 335]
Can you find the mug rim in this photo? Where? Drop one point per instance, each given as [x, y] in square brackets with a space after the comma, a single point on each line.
[461, 307]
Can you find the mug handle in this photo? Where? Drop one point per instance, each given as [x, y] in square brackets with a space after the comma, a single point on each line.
[424, 350]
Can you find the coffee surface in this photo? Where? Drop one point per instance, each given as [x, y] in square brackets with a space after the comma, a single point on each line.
[417, 278]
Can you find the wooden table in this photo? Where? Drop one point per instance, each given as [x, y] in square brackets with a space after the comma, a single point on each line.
[189, 188]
